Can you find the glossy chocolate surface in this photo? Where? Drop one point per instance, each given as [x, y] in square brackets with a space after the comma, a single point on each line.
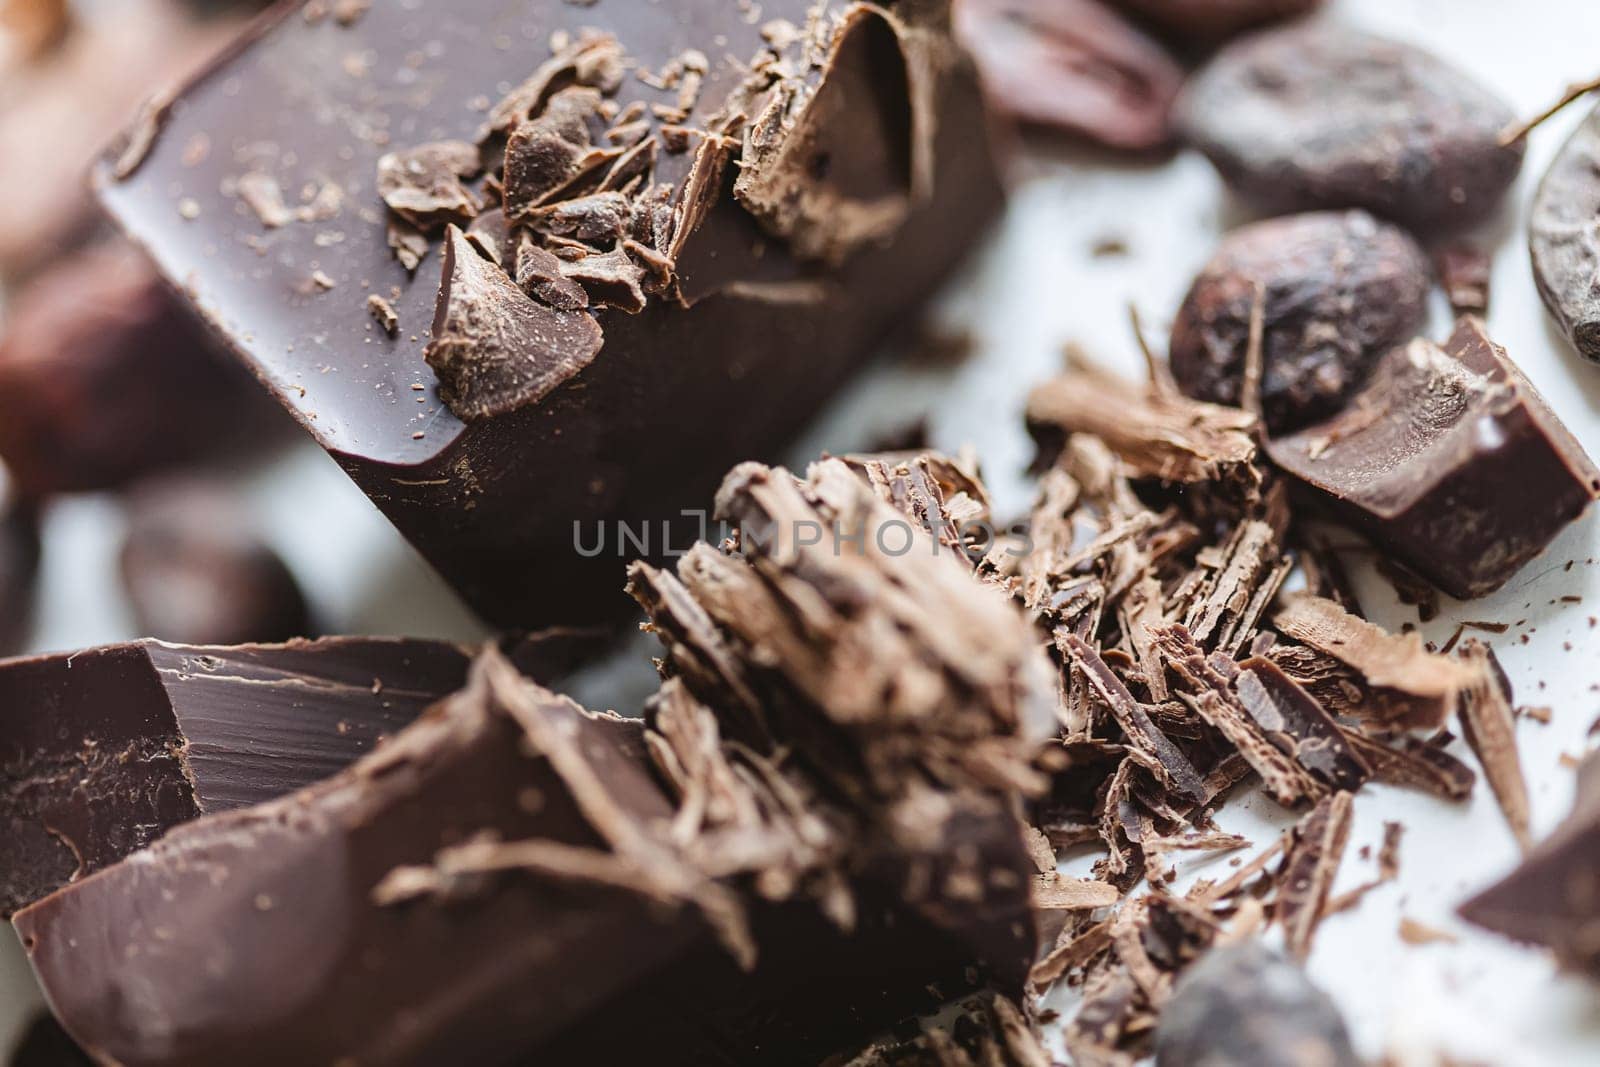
[676, 393]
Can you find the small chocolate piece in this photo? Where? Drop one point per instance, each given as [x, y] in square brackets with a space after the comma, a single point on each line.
[494, 348]
[1450, 460]
[45, 1044]
[423, 184]
[1319, 116]
[1489, 725]
[1565, 247]
[105, 377]
[103, 751]
[1075, 66]
[742, 339]
[196, 572]
[1336, 290]
[1464, 271]
[1246, 1006]
[1549, 899]
[1207, 21]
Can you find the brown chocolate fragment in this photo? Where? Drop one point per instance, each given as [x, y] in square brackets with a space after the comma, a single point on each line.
[1309, 868]
[1074, 66]
[1489, 725]
[423, 184]
[1316, 115]
[196, 572]
[1206, 21]
[1299, 725]
[1549, 899]
[494, 348]
[1565, 248]
[1245, 1006]
[1363, 670]
[1337, 291]
[1169, 438]
[1464, 271]
[103, 377]
[1450, 460]
[102, 751]
[383, 313]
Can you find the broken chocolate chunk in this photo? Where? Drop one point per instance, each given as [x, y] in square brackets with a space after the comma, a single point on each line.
[103, 751]
[1074, 66]
[494, 348]
[541, 274]
[196, 572]
[1566, 250]
[549, 153]
[742, 339]
[1333, 291]
[1464, 271]
[1450, 460]
[423, 184]
[1549, 899]
[1246, 1006]
[1316, 116]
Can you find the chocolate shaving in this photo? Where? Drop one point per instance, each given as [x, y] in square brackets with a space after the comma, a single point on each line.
[1157, 435]
[1308, 871]
[384, 313]
[494, 348]
[423, 185]
[1489, 726]
[1294, 721]
[1410, 686]
[610, 280]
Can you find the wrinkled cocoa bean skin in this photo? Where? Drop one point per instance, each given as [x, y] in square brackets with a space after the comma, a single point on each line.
[1563, 239]
[1207, 21]
[1313, 116]
[1339, 290]
[1074, 66]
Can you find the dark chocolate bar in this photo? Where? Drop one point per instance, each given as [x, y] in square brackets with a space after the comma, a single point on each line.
[1450, 460]
[793, 183]
[103, 751]
[498, 884]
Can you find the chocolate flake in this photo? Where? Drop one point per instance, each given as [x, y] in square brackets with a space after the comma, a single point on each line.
[1169, 438]
[423, 184]
[494, 348]
[541, 274]
[384, 314]
[1395, 679]
[1309, 869]
[1489, 726]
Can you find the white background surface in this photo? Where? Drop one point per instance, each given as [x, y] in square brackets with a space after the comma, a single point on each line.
[1034, 288]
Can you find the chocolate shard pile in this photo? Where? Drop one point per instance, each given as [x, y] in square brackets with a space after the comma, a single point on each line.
[681, 223]
[103, 751]
[817, 819]
[1549, 900]
[1449, 460]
